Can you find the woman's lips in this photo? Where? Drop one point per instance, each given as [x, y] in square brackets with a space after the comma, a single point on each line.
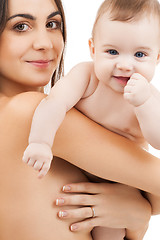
[122, 80]
[40, 63]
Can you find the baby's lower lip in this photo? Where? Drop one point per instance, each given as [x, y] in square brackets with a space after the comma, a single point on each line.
[122, 80]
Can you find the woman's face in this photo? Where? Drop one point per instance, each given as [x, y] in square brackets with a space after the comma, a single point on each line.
[31, 44]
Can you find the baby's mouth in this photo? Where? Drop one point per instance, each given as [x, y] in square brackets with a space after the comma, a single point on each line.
[122, 80]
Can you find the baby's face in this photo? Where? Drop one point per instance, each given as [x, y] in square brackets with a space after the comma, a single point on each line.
[123, 48]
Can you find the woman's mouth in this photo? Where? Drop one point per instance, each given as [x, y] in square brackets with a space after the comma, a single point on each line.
[40, 63]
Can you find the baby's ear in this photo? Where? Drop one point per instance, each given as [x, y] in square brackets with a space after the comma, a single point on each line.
[158, 58]
[91, 47]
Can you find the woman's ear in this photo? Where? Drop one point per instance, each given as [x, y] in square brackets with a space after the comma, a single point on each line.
[91, 47]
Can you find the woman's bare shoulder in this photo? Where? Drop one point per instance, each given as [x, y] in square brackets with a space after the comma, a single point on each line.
[26, 102]
[16, 117]
[22, 106]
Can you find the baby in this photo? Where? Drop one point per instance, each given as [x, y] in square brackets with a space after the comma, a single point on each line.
[114, 89]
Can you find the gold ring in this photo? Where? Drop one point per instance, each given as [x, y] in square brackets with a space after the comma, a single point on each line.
[93, 212]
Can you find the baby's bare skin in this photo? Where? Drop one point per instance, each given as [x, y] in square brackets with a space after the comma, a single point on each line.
[110, 110]
[114, 89]
[99, 102]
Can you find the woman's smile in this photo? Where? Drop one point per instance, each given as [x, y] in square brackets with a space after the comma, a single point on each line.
[31, 43]
[42, 64]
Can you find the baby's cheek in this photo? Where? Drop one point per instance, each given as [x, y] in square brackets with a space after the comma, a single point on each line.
[149, 72]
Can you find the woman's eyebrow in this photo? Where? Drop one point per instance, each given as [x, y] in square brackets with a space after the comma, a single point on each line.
[24, 15]
[54, 14]
[29, 16]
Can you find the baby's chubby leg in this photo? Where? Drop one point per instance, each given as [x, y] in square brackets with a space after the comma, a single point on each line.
[104, 233]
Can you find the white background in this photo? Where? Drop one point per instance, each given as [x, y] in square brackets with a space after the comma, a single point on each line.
[80, 15]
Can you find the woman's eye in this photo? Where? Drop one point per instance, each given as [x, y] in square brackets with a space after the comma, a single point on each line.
[139, 54]
[22, 27]
[112, 52]
[53, 24]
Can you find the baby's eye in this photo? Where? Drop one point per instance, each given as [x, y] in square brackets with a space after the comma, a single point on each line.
[112, 52]
[21, 27]
[53, 25]
[139, 54]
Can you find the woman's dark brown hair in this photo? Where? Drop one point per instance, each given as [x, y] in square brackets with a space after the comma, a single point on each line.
[3, 14]
[60, 70]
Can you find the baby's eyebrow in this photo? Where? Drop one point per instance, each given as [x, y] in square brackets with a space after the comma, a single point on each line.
[29, 16]
[145, 48]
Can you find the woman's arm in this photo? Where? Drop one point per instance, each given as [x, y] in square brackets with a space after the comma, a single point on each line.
[116, 206]
[89, 146]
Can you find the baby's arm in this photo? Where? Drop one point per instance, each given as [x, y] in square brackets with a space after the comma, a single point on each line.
[146, 100]
[50, 114]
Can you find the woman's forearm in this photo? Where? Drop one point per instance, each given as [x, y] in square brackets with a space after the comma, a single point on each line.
[89, 146]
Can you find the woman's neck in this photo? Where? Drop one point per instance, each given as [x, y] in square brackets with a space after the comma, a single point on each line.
[11, 88]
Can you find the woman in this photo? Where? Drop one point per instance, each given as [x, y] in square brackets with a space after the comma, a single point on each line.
[31, 48]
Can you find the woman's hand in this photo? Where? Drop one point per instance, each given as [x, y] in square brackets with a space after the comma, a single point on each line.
[104, 204]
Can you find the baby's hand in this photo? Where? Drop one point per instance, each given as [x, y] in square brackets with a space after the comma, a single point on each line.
[39, 156]
[137, 91]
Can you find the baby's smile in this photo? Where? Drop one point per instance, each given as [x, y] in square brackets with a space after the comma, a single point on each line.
[122, 80]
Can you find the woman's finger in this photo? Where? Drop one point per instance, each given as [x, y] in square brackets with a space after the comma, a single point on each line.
[81, 213]
[88, 224]
[84, 187]
[77, 199]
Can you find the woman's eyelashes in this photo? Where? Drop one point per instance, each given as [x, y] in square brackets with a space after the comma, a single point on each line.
[54, 24]
[21, 27]
[25, 27]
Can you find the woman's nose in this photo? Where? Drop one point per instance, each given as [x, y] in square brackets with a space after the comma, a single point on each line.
[42, 41]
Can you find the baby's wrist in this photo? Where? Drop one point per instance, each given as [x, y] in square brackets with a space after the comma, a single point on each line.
[40, 144]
